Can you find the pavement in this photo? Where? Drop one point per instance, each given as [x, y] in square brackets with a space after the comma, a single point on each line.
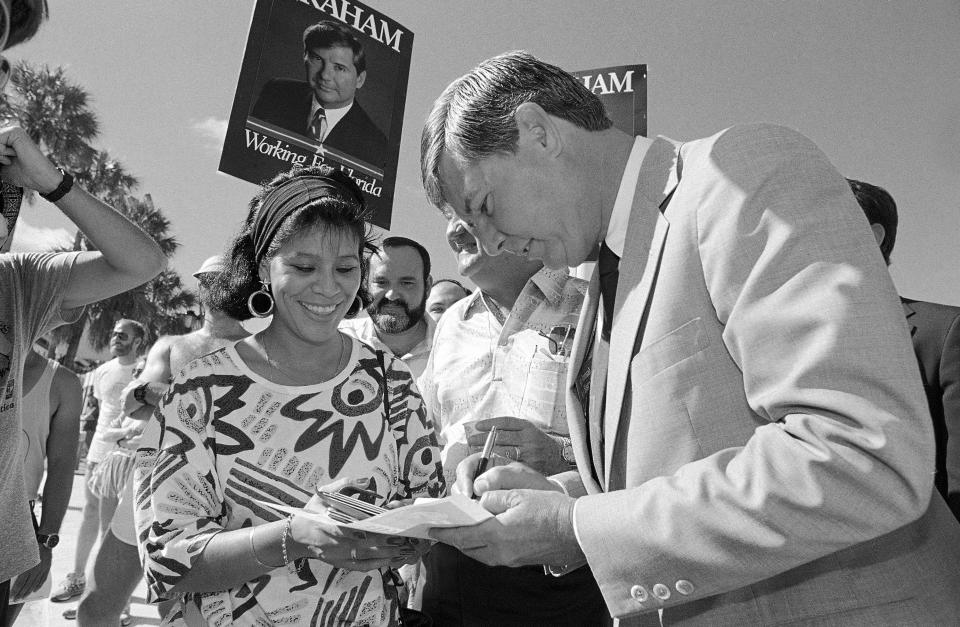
[46, 613]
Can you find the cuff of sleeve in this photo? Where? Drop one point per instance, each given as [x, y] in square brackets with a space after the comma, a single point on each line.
[560, 571]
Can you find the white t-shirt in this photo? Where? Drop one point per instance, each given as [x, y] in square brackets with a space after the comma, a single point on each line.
[108, 382]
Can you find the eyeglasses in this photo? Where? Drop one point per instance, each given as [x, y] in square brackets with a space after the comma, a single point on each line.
[560, 339]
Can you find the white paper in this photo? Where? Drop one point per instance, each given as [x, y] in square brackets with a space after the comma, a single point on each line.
[412, 521]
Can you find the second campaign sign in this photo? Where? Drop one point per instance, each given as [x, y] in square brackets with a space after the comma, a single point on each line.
[322, 82]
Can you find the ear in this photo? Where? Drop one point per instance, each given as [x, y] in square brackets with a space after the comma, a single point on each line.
[428, 284]
[361, 79]
[263, 271]
[878, 233]
[538, 129]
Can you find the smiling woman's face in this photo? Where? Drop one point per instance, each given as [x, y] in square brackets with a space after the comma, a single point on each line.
[314, 278]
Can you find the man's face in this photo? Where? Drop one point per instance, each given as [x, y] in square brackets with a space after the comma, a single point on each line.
[483, 269]
[123, 340]
[398, 289]
[333, 76]
[525, 203]
[442, 295]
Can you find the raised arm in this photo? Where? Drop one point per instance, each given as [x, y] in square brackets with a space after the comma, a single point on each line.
[126, 255]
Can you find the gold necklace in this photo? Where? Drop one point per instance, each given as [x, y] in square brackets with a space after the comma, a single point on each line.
[275, 364]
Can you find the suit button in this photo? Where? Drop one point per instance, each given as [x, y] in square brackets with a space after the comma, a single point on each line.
[684, 587]
[639, 594]
[661, 592]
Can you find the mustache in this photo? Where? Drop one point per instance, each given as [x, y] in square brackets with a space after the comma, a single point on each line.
[386, 302]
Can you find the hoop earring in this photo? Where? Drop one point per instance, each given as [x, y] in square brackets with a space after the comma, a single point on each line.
[355, 307]
[261, 294]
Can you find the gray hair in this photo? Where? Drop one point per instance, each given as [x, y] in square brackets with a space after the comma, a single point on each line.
[474, 116]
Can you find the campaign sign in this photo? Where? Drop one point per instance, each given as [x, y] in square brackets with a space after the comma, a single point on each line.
[623, 91]
[322, 82]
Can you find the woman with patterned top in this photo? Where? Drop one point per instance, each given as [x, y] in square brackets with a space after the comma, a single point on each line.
[273, 417]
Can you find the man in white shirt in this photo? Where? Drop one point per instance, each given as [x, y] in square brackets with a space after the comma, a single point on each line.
[500, 359]
[398, 282]
[126, 343]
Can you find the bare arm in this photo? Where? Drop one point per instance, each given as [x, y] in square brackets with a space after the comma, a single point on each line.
[65, 400]
[126, 256]
[156, 375]
[61, 450]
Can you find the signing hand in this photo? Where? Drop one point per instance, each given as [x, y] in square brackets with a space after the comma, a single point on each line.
[22, 163]
[529, 527]
[519, 440]
[502, 475]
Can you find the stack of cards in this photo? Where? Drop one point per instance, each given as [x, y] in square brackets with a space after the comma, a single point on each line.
[347, 509]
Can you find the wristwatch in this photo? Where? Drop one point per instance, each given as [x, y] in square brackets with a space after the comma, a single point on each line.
[66, 184]
[48, 541]
[566, 451]
[140, 394]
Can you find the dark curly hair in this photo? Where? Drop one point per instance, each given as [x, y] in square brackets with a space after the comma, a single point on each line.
[232, 287]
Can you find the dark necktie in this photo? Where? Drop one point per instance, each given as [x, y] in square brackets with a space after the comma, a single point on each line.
[609, 267]
[318, 125]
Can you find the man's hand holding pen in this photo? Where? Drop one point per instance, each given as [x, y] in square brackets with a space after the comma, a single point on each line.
[533, 521]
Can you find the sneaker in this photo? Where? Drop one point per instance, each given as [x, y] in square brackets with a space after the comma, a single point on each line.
[70, 614]
[125, 617]
[72, 586]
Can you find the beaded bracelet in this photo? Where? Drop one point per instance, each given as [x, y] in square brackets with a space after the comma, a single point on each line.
[283, 539]
[253, 550]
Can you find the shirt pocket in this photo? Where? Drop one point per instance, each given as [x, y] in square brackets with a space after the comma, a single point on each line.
[543, 398]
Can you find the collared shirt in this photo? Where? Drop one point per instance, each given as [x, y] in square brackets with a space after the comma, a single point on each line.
[333, 115]
[416, 359]
[482, 369]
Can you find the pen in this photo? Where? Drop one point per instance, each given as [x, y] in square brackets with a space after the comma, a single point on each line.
[485, 455]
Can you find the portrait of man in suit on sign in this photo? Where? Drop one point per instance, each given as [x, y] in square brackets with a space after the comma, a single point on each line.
[324, 106]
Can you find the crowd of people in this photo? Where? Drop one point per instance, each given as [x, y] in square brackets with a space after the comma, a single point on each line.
[725, 424]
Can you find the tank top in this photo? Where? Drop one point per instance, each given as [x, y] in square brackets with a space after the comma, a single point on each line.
[36, 429]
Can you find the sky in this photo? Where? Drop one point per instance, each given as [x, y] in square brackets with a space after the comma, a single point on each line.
[875, 84]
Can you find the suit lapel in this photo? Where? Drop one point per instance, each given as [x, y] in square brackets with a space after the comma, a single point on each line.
[584, 437]
[639, 264]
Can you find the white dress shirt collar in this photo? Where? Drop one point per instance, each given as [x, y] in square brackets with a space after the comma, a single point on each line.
[333, 115]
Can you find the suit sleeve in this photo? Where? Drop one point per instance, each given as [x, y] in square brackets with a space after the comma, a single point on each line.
[950, 384]
[812, 321]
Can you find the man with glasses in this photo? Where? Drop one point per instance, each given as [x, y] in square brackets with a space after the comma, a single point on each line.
[500, 359]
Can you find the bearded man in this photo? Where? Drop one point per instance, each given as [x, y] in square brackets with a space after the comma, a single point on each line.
[398, 283]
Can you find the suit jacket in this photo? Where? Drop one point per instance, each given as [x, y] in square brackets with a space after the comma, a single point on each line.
[765, 450]
[286, 103]
[935, 330]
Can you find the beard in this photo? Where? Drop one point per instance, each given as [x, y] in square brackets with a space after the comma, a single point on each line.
[396, 322]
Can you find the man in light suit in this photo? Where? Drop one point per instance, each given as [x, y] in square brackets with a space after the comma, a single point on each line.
[935, 331]
[751, 435]
[324, 107]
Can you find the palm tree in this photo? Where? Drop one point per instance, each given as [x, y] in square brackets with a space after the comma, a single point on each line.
[159, 305]
[54, 111]
[56, 114]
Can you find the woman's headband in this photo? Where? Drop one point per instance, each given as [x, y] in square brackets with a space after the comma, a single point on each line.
[289, 196]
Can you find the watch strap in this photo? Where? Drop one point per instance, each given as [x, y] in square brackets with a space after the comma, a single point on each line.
[66, 184]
